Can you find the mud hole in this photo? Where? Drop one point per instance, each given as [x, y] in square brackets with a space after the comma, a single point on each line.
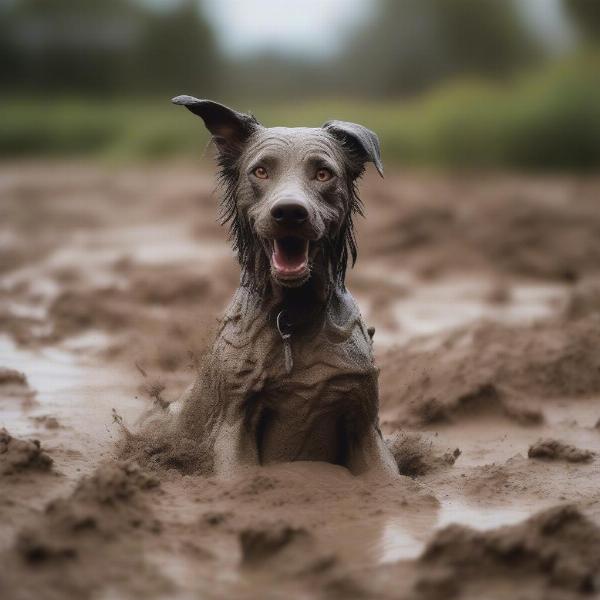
[485, 295]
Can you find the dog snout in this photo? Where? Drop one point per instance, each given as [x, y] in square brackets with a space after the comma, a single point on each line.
[289, 212]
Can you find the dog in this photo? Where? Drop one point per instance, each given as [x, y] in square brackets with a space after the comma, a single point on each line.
[291, 373]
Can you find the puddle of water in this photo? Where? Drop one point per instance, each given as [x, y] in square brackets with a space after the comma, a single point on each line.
[439, 306]
[432, 307]
[75, 390]
[481, 517]
[398, 543]
[81, 395]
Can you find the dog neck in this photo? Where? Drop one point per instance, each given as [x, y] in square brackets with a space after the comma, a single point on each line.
[303, 309]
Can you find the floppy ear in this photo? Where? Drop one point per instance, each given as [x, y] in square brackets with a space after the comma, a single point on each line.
[229, 128]
[361, 141]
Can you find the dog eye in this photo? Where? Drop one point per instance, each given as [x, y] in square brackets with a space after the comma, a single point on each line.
[261, 173]
[323, 175]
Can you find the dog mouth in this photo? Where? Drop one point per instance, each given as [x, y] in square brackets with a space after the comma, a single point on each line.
[289, 258]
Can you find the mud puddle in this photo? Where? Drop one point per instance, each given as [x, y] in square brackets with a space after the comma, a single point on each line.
[486, 338]
[73, 390]
[426, 308]
[77, 396]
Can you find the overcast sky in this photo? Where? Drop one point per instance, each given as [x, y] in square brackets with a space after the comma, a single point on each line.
[316, 28]
[308, 27]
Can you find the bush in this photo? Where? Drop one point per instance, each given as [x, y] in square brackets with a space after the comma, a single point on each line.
[548, 120]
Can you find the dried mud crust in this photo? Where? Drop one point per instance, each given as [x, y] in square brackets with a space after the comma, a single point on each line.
[555, 554]
[18, 456]
[491, 369]
[88, 541]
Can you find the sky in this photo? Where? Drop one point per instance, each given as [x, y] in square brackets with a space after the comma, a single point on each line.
[312, 28]
[318, 28]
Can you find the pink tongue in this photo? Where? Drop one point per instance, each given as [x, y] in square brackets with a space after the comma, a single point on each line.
[288, 260]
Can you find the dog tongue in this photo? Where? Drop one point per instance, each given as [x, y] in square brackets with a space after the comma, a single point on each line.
[290, 255]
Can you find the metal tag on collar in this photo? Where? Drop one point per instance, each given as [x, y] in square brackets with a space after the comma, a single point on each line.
[287, 347]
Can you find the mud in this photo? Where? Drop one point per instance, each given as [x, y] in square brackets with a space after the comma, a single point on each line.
[415, 456]
[557, 450]
[495, 370]
[18, 455]
[88, 541]
[512, 225]
[484, 294]
[555, 554]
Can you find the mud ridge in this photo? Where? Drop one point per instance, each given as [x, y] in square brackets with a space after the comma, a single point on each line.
[554, 554]
[85, 542]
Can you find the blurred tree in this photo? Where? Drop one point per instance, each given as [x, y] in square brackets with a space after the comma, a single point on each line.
[413, 44]
[104, 46]
[177, 52]
[586, 16]
[69, 45]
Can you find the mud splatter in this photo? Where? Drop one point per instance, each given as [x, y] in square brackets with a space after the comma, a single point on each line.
[415, 456]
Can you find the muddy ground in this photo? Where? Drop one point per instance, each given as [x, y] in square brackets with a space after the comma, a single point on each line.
[485, 294]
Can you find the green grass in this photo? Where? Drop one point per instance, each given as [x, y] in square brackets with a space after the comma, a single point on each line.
[547, 120]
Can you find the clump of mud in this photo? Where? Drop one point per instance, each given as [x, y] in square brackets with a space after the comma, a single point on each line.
[14, 384]
[47, 421]
[12, 377]
[556, 450]
[492, 369]
[104, 504]
[416, 456]
[82, 543]
[18, 455]
[282, 549]
[554, 554]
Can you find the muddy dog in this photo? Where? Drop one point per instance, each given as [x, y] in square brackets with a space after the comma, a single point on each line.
[291, 374]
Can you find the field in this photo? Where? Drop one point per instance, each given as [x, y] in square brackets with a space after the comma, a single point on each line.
[484, 290]
[545, 120]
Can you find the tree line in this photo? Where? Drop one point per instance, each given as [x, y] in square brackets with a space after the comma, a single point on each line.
[110, 47]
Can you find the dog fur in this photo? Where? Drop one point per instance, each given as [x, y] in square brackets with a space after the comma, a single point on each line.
[289, 197]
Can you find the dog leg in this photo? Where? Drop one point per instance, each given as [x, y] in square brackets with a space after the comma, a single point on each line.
[234, 449]
[371, 455]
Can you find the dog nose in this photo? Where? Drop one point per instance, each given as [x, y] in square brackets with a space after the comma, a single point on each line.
[289, 212]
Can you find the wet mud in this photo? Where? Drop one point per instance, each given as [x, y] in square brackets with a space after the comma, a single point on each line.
[484, 295]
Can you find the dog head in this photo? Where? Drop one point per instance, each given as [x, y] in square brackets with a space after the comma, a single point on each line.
[290, 193]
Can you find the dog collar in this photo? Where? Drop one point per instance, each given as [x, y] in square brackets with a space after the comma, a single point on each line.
[284, 329]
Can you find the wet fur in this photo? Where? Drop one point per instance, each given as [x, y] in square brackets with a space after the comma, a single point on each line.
[244, 405]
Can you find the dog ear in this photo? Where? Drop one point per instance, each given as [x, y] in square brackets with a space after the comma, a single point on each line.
[361, 141]
[229, 128]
